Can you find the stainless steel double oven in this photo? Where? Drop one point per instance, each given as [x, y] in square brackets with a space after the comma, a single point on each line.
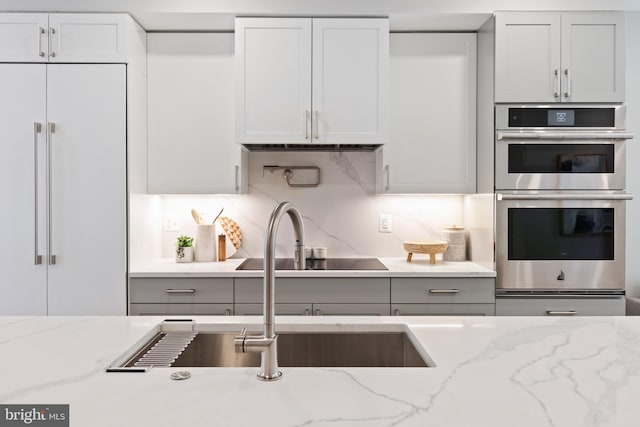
[560, 210]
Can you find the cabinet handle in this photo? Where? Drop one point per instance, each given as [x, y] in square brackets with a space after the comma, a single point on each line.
[317, 125]
[307, 118]
[41, 31]
[37, 127]
[318, 312]
[443, 291]
[52, 31]
[386, 177]
[180, 291]
[561, 313]
[227, 312]
[556, 92]
[307, 312]
[51, 129]
[567, 94]
[396, 312]
[237, 178]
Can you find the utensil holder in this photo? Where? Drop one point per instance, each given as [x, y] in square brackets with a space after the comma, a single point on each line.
[206, 241]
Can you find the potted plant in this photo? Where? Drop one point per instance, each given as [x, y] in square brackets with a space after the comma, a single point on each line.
[184, 249]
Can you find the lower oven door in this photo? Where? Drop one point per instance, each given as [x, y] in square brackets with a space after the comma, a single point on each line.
[560, 161]
[560, 241]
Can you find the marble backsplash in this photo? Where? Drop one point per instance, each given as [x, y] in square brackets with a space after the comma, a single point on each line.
[342, 213]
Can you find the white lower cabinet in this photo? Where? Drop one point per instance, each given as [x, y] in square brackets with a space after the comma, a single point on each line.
[443, 296]
[531, 306]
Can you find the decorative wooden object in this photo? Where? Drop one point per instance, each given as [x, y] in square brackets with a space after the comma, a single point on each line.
[431, 247]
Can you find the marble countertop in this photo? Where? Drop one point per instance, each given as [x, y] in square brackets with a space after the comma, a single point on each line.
[397, 267]
[490, 371]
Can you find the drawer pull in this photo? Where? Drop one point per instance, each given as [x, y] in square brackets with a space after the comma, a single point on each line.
[561, 313]
[443, 291]
[180, 291]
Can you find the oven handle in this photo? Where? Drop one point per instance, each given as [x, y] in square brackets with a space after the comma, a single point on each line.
[585, 196]
[563, 135]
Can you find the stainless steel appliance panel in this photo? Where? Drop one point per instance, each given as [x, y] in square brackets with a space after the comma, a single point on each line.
[560, 241]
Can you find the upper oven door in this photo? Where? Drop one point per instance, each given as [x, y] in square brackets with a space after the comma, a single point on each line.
[538, 161]
[560, 147]
[560, 240]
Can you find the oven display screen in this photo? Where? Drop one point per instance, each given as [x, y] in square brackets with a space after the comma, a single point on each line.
[561, 118]
[561, 234]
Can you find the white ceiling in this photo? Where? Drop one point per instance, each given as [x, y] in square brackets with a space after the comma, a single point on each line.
[405, 15]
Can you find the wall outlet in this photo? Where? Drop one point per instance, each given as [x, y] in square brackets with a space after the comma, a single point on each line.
[384, 223]
[171, 224]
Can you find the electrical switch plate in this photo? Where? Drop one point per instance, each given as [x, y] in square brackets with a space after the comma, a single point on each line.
[171, 224]
[384, 223]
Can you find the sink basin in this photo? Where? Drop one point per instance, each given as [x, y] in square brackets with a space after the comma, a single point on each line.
[392, 349]
[187, 344]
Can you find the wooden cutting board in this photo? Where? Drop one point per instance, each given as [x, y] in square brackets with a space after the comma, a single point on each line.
[231, 229]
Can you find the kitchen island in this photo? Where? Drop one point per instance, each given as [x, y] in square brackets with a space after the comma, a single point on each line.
[489, 371]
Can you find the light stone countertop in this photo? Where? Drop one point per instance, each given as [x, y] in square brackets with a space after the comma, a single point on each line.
[397, 267]
[490, 371]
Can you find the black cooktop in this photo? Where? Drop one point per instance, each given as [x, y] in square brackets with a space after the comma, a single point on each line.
[317, 264]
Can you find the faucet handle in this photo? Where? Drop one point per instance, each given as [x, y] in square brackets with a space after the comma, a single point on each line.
[239, 340]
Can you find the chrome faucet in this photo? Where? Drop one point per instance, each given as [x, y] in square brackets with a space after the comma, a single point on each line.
[266, 343]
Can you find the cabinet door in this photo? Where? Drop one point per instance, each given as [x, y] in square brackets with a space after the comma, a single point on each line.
[527, 57]
[179, 290]
[181, 309]
[442, 309]
[350, 80]
[325, 309]
[560, 306]
[23, 285]
[432, 146]
[593, 57]
[273, 72]
[438, 290]
[23, 37]
[87, 105]
[87, 37]
[190, 83]
[281, 309]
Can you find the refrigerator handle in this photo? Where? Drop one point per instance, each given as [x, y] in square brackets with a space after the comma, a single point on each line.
[51, 128]
[37, 128]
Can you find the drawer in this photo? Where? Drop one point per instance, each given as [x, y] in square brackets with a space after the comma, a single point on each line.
[443, 290]
[281, 309]
[180, 309]
[531, 306]
[180, 290]
[443, 309]
[316, 290]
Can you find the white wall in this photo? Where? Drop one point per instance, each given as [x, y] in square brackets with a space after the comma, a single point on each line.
[342, 213]
[633, 152]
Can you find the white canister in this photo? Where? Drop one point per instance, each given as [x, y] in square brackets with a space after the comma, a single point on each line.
[456, 237]
[206, 241]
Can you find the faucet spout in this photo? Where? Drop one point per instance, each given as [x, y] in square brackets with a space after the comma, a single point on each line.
[266, 343]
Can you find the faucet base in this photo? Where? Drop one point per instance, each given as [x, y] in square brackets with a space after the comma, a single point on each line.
[274, 377]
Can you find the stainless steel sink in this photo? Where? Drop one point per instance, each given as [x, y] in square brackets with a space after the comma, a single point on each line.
[183, 343]
[393, 349]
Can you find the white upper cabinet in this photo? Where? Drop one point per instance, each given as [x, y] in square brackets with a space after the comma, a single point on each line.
[432, 135]
[190, 83]
[559, 57]
[64, 37]
[311, 80]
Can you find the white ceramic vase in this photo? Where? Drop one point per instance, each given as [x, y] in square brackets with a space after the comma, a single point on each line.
[206, 242]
